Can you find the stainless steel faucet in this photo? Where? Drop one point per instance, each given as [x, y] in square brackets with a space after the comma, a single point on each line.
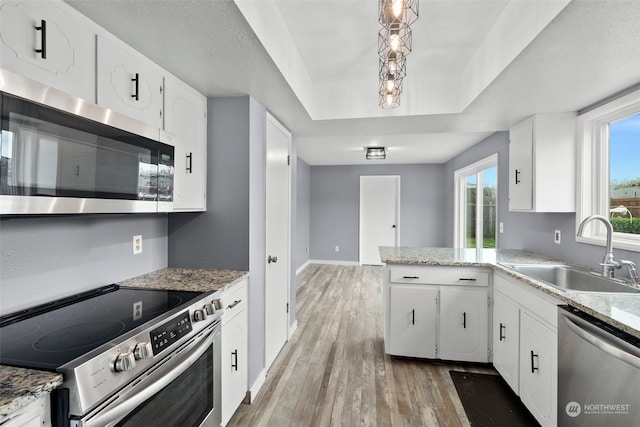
[609, 263]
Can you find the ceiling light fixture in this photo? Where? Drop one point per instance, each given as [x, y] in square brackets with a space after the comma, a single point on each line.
[394, 44]
[376, 153]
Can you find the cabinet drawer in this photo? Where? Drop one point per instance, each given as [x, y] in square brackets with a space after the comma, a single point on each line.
[464, 276]
[234, 300]
[544, 306]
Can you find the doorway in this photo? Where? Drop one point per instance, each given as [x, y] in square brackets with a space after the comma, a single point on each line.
[277, 238]
[379, 216]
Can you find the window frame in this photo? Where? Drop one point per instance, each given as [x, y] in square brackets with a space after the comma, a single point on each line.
[592, 189]
[459, 197]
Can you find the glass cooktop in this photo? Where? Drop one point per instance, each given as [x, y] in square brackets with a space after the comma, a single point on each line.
[52, 335]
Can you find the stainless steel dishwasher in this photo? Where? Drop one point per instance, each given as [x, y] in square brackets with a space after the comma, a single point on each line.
[598, 372]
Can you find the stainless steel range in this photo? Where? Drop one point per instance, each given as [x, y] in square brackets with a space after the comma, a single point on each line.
[125, 354]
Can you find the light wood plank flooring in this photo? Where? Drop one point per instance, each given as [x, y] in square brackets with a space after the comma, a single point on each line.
[333, 371]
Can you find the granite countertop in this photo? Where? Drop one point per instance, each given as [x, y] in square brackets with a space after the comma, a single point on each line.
[187, 279]
[19, 386]
[619, 310]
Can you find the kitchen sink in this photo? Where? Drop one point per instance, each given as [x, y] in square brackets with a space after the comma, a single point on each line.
[573, 279]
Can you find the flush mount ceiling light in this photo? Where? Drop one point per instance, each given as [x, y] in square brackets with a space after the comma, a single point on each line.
[394, 44]
[376, 153]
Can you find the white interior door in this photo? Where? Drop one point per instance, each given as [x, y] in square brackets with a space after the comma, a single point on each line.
[379, 216]
[278, 196]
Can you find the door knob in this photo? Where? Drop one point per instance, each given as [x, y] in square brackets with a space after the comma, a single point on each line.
[393, 226]
[271, 259]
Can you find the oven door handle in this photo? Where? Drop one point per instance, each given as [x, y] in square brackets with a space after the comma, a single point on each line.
[111, 416]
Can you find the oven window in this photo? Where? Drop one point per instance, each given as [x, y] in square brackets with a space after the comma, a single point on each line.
[184, 402]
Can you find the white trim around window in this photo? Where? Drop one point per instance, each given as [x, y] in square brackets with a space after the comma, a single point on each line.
[459, 196]
[592, 187]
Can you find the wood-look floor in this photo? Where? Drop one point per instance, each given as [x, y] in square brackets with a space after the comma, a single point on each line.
[334, 372]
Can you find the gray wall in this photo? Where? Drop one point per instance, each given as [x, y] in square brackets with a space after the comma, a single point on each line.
[46, 258]
[219, 237]
[303, 205]
[527, 231]
[335, 207]
[230, 234]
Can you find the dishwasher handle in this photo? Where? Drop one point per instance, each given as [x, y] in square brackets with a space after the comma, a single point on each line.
[599, 340]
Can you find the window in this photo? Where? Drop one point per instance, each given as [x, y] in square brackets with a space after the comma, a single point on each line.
[476, 207]
[609, 171]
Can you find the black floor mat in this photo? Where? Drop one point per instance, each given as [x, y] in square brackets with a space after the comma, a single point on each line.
[489, 401]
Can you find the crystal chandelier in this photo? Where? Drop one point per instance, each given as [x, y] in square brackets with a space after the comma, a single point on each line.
[394, 44]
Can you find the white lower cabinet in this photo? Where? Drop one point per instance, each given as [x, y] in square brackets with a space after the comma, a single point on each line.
[437, 312]
[464, 323]
[525, 345]
[35, 414]
[538, 369]
[234, 349]
[412, 321]
[506, 339]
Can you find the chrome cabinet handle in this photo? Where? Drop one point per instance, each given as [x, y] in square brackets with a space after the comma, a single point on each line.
[43, 39]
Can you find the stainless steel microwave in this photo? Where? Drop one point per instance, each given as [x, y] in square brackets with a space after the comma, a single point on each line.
[63, 155]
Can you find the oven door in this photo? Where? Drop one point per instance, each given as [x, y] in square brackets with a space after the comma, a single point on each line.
[181, 390]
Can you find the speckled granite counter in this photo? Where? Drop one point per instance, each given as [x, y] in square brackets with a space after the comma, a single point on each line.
[20, 387]
[187, 279]
[619, 310]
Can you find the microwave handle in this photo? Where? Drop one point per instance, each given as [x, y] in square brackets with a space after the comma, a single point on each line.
[123, 408]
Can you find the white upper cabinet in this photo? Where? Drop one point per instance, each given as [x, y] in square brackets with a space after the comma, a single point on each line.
[186, 118]
[129, 83]
[542, 152]
[45, 42]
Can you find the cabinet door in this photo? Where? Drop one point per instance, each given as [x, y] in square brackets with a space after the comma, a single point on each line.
[521, 166]
[412, 321]
[464, 324]
[66, 57]
[129, 83]
[234, 364]
[506, 339]
[185, 118]
[538, 369]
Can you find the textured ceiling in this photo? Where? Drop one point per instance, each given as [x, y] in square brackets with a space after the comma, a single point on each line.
[587, 52]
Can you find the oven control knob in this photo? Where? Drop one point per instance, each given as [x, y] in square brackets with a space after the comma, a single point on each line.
[125, 362]
[217, 303]
[143, 350]
[199, 315]
[209, 309]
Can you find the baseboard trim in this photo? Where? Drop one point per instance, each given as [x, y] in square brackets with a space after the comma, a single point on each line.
[255, 388]
[292, 328]
[332, 262]
[302, 267]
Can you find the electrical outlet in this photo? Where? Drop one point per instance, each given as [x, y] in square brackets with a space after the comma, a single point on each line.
[137, 310]
[501, 227]
[557, 235]
[337, 248]
[137, 244]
